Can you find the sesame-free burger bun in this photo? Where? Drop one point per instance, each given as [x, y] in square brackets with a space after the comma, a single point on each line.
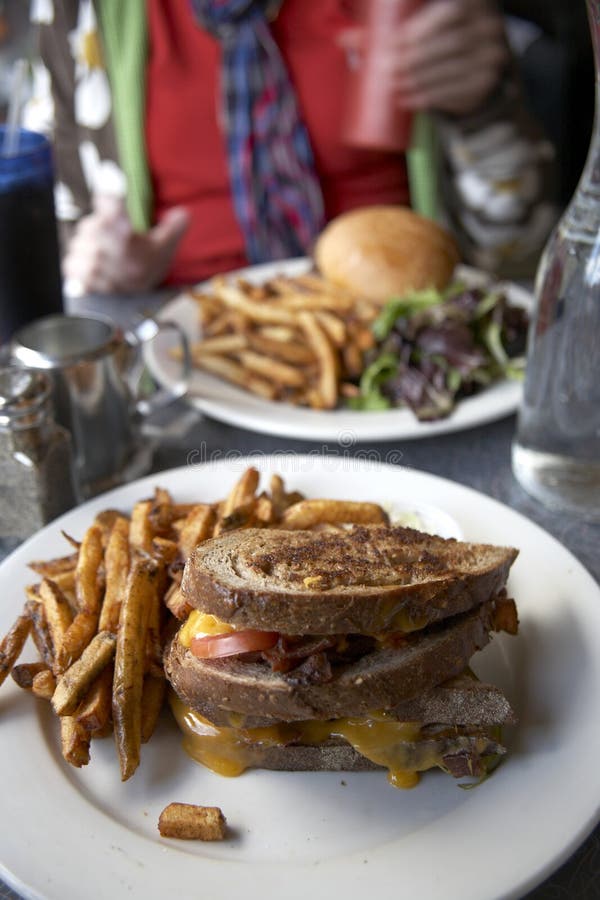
[380, 252]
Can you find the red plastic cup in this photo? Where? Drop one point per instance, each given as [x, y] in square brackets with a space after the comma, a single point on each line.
[373, 118]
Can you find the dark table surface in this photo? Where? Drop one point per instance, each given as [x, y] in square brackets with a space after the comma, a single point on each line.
[479, 458]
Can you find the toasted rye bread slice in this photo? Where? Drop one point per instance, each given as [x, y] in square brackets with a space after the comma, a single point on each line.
[367, 580]
[459, 701]
[379, 680]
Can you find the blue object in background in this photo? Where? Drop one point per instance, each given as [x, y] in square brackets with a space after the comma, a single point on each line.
[30, 280]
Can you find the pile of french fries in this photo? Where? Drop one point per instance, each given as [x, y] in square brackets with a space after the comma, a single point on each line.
[100, 615]
[299, 340]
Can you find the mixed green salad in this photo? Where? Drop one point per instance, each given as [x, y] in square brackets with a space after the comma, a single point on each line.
[434, 348]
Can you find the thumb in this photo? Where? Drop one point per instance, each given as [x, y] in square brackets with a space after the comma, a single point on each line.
[110, 208]
[166, 235]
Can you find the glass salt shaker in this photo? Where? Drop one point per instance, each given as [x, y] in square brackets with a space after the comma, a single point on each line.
[36, 462]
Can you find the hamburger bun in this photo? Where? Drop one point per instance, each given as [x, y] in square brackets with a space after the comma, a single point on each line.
[380, 252]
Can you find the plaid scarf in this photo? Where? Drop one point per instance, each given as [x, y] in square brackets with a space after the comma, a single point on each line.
[276, 193]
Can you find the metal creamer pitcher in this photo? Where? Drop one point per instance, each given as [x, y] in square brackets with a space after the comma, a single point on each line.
[94, 367]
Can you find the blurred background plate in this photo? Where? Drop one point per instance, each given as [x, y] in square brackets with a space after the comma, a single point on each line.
[230, 404]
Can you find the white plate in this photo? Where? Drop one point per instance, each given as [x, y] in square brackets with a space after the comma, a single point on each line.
[235, 406]
[70, 834]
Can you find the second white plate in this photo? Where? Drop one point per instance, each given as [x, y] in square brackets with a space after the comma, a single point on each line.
[230, 404]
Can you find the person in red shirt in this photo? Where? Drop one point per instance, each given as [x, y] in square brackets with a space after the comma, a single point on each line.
[448, 56]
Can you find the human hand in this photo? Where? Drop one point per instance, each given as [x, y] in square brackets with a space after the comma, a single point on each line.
[448, 55]
[106, 256]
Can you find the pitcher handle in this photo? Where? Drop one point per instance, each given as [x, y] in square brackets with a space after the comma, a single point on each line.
[142, 335]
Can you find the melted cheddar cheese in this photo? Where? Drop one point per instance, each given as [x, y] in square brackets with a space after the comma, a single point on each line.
[199, 624]
[231, 750]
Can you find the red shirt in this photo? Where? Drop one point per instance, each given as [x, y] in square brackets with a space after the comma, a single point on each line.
[186, 147]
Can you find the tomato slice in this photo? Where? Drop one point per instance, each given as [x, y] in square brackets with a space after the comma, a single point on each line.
[213, 646]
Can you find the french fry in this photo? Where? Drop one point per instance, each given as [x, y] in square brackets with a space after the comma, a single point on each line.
[265, 510]
[366, 312]
[153, 662]
[53, 567]
[95, 710]
[177, 526]
[315, 302]
[272, 369]
[75, 742]
[241, 517]
[74, 641]
[256, 291]
[65, 581]
[140, 528]
[240, 499]
[308, 513]
[58, 616]
[283, 348]
[75, 681]
[44, 684]
[352, 361]
[259, 386]
[87, 584]
[40, 632]
[176, 603]
[160, 519]
[325, 354]
[243, 491]
[105, 520]
[162, 497]
[129, 664]
[24, 674]
[277, 496]
[164, 519]
[313, 398]
[165, 550]
[363, 337]
[197, 527]
[12, 644]
[116, 565]
[310, 281]
[223, 344]
[207, 304]
[220, 325]
[236, 374]
[188, 822]
[266, 313]
[333, 327]
[279, 333]
[58, 613]
[71, 540]
[293, 497]
[32, 592]
[282, 285]
[153, 695]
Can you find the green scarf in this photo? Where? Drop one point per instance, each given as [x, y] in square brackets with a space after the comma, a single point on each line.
[422, 164]
[125, 38]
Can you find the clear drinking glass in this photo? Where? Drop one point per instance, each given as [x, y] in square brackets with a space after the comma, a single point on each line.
[556, 452]
[373, 117]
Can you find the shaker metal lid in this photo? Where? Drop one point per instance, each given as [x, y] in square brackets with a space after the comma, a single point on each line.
[21, 392]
